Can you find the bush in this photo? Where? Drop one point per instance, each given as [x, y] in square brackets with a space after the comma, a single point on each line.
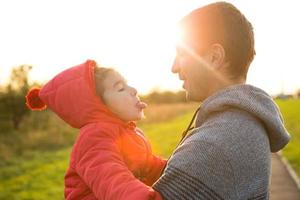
[12, 97]
[165, 97]
[40, 131]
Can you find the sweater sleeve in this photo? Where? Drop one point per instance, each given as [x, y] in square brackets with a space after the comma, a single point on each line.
[197, 170]
[100, 164]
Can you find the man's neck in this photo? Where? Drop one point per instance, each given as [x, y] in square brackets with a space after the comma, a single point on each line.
[221, 84]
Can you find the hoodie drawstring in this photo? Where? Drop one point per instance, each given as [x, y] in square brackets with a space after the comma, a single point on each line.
[184, 133]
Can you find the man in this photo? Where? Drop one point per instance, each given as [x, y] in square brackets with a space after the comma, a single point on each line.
[228, 154]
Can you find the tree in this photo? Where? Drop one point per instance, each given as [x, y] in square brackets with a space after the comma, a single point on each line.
[298, 94]
[12, 100]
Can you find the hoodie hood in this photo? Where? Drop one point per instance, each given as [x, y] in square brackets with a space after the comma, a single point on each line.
[72, 96]
[254, 101]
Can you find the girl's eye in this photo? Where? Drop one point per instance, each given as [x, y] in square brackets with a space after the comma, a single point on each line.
[121, 89]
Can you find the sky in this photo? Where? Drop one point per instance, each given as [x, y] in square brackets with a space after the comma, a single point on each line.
[137, 37]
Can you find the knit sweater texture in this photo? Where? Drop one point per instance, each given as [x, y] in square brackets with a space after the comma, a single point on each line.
[228, 154]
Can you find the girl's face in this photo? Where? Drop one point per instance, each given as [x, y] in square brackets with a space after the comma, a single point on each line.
[121, 98]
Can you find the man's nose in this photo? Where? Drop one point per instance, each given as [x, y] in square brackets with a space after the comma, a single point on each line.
[176, 66]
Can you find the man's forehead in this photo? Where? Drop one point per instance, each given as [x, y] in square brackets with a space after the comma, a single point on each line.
[183, 48]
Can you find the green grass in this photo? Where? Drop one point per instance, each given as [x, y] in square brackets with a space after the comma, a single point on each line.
[39, 131]
[291, 113]
[165, 136]
[36, 175]
[40, 175]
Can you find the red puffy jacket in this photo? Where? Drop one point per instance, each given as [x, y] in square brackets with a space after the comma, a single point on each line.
[111, 159]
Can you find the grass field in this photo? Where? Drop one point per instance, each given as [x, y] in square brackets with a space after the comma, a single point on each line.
[291, 113]
[39, 175]
[34, 176]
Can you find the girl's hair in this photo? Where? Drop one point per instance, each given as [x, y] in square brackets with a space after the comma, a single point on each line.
[100, 74]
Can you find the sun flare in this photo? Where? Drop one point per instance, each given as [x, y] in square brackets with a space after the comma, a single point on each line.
[137, 37]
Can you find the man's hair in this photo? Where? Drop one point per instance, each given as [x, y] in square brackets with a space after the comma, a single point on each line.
[221, 23]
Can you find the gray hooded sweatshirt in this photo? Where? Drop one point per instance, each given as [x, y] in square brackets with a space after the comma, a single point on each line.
[228, 154]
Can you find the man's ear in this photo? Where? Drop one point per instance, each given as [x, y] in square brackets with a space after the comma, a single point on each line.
[217, 55]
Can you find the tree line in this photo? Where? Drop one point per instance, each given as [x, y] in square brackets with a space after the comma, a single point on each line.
[12, 98]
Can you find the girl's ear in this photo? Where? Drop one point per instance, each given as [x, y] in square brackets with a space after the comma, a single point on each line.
[217, 55]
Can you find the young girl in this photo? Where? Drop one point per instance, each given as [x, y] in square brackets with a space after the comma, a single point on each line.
[111, 158]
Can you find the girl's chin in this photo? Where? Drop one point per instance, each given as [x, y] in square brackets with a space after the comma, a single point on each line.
[137, 117]
[140, 116]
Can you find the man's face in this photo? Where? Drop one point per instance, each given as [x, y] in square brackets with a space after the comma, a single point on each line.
[195, 71]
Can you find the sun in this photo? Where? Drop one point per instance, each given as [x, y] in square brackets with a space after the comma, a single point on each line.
[144, 45]
[136, 37]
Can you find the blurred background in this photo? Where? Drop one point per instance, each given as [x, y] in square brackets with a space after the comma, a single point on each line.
[137, 37]
[39, 39]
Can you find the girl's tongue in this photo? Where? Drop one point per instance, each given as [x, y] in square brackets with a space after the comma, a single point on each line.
[141, 105]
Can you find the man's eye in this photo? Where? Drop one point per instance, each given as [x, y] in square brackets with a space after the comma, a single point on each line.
[121, 89]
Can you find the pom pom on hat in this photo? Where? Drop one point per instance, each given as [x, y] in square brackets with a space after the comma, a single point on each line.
[33, 101]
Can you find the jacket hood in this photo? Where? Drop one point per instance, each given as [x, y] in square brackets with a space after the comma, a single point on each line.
[72, 96]
[254, 101]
